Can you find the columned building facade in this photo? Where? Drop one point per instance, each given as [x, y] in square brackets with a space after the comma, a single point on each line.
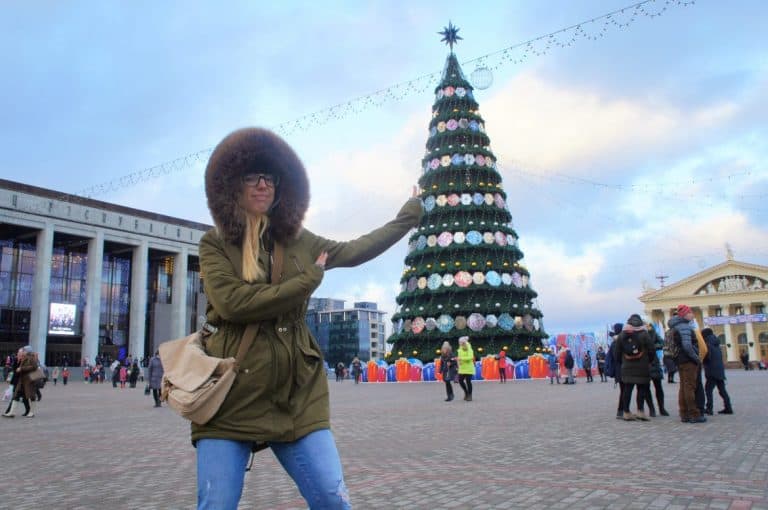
[81, 277]
[730, 298]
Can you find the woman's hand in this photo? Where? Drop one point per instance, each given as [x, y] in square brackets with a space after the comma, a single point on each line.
[415, 192]
[321, 259]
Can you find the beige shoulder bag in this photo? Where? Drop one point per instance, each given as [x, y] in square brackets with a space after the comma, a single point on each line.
[196, 384]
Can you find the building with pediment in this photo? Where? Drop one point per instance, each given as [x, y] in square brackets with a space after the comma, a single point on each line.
[730, 298]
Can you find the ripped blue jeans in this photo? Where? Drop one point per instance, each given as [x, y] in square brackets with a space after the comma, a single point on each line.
[312, 462]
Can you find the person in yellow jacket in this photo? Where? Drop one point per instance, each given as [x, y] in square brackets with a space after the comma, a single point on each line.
[466, 367]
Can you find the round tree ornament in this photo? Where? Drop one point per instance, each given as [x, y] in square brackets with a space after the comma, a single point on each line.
[481, 78]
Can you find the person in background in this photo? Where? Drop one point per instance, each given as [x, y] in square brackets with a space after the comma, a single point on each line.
[64, 375]
[15, 377]
[714, 371]
[466, 367]
[116, 374]
[133, 375]
[600, 356]
[554, 372]
[699, 339]
[357, 369]
[156, 377]
[745, 359]
[448, 369]
[503, 366]
[339, 371]
[23, 387]
[569, 363]
[123, 376]
[634, 348]
[586, 363]
[656, 374]
[55, 375]
[613, 367]
[9, 361]
[688, 363]
[671, 367]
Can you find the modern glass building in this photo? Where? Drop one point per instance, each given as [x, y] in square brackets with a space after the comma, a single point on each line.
[81, 277]
[344, 333]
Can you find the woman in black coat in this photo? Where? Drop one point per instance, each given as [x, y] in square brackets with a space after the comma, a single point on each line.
[714, 371]
[449, 368]
[634, 350]
[134, 374]
[656, 375]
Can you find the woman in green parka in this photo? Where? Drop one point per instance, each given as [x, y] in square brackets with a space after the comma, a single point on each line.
[258, 193]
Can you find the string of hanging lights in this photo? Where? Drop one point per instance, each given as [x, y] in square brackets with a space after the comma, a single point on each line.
[482, 78]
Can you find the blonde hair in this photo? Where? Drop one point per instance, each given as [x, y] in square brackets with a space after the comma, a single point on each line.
[254, 229]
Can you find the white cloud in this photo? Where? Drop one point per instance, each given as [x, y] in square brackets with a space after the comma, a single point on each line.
[565, 284]
[678, 246]
[550, 126]
[359, 189]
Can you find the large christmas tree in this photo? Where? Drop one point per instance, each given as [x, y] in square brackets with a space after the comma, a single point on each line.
[463, 274]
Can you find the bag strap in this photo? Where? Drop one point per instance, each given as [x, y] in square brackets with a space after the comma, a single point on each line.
[249, 335]
[277, 263]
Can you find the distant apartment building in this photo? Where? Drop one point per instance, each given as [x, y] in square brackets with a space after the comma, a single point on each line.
[344, 333]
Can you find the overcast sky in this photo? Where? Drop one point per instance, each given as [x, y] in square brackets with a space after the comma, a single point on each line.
[638, 153]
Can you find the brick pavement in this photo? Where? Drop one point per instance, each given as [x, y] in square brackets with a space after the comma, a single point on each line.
[526, 444]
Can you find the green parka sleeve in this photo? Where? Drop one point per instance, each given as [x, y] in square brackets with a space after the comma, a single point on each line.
[362, 249]
[238, 301]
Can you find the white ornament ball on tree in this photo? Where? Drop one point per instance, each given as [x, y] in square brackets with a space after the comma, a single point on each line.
[481, 78]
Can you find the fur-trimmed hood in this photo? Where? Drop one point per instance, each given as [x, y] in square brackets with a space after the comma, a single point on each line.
[255, 150]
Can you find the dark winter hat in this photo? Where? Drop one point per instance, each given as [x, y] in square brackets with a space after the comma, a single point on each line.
[616, 329]
[707, 332]
[635, 320]
[255, 150]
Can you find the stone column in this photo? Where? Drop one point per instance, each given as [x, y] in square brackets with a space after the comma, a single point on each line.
[752, 345]
[41, 288]
[665, 312]
[179, 320]
[138, 311]
[733, 350]
[704, 315]
[92, 311]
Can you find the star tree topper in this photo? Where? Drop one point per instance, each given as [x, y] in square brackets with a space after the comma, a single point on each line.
[450, 35]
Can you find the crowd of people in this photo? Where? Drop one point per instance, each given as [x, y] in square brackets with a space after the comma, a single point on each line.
[637, 359]
[25, 387]
[633, 362]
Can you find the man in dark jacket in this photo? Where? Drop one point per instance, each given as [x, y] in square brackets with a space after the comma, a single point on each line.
[688, 363]
[600, 357]
[613, 368]
[714, 370]
[156, 377]
[656, 374]
[745, 359]
[569, 367]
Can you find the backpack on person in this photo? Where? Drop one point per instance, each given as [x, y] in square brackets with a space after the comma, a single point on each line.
[631, 349]
[672, 343]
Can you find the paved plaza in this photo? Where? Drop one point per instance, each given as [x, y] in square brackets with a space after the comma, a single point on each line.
[526, 444]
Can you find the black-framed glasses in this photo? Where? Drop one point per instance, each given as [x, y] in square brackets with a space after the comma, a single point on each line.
[253, 180]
